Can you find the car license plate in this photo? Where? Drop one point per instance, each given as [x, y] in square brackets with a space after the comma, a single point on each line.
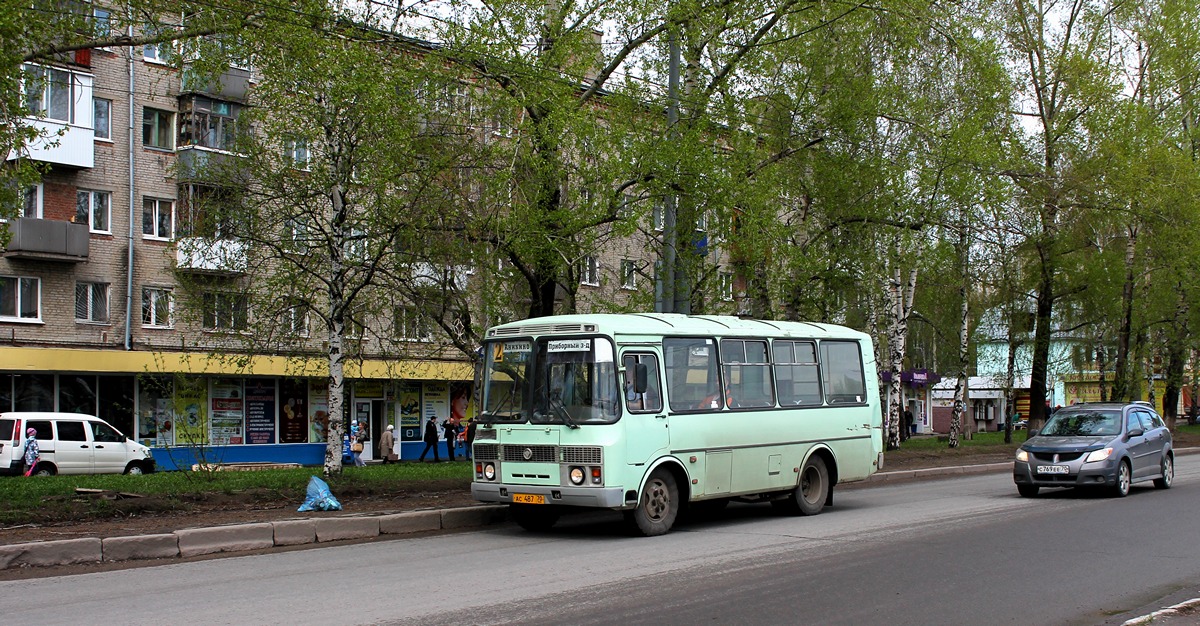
[1054, 469]
[528, 498]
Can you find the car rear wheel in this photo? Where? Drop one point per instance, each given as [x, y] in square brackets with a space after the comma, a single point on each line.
[44, 469]
[1168, 473]
[1124, 478]
[1028, 491]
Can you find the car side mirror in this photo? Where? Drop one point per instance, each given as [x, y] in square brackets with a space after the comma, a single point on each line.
[1136, 432]
[1033, 432]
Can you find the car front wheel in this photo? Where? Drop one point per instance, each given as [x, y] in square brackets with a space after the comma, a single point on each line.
[1027, 491]
[1124, 478]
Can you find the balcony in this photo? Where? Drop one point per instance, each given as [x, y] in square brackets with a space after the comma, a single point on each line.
[232, 84]
[65, 133]
[47, 240]
[200, 164]
[206, 255]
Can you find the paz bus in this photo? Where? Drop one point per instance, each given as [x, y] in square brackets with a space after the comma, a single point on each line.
[650, 413]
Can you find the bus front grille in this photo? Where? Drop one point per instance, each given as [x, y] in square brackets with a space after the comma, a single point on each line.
[581, 455]
[486, 451]
[531, 453]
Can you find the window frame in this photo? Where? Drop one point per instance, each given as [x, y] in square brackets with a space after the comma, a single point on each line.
[94, 294]
[224, 311]
[629, 274]
[411, 326]
[96, 105]
[155, 225]
[151, 296]
[45, 105]
[725, 286]
[90, 213]
[39, 201]
[159, 129]
[589, 271]
[19, 300]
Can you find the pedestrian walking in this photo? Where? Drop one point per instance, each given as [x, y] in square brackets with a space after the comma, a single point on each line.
[450, 430]
[386, 442]
[470, 438]
[430, 438]
[33, 453]
[358, 442]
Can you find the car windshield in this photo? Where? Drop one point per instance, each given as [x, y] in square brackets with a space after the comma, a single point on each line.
[1083, 424]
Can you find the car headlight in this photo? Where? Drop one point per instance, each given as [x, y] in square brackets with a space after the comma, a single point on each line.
[1098, 455]
[1023, 456]
[489, 471]
[576, 475]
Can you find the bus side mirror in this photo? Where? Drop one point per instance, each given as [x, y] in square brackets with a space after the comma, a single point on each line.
[641, 377]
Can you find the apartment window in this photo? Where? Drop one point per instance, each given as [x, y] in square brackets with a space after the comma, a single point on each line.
[628, 200]
[50, 92]
[224, 311]
[101, 22]
[156, 52]
[102, 118]
[297, 319]
[296, 151]
[156, 128]
[209, 123]
[94, 208]
[156, 307]
[658, 216]
[20, 298]
[589, 273]
[158, 218]
[726, 286]
[411, 325]
[628, 274]
[91, 302]
[31, 201]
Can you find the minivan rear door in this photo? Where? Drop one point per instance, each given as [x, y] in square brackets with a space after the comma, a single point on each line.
[73, 450]
[108, 447]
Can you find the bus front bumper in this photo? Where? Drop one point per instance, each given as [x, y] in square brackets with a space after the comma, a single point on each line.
[595, 497]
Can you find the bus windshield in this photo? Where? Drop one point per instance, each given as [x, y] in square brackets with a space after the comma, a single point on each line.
[505, 374]
[576, 382]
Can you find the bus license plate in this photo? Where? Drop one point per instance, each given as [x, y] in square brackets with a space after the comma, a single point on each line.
[1054, 469]
[528, 498]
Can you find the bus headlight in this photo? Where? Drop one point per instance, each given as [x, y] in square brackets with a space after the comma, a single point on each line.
[576, 475]
[489, 471]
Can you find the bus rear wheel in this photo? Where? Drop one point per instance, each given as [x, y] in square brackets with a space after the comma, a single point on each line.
[534, 517]
[657, 507]
[809, 496]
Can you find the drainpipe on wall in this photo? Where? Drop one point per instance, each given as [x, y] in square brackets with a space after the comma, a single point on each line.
[132, 206]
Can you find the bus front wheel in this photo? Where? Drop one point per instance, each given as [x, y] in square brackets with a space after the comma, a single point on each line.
[657, 507]
[808, 498]
[534, 517]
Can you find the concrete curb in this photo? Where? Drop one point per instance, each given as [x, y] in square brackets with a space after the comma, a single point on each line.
[258, 536]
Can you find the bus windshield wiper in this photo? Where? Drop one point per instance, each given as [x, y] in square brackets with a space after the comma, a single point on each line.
[560, 411]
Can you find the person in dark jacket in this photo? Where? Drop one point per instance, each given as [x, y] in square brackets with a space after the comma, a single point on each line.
[451, 432]
[431, 439]
[470, 438]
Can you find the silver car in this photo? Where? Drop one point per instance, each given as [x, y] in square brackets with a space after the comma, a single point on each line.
[1110, 445]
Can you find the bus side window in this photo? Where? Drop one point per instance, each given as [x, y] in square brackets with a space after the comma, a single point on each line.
[651, 398]
[691, 368]
[797, 373]
[842, 372]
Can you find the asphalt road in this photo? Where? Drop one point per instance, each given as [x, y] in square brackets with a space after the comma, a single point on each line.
[956, 551]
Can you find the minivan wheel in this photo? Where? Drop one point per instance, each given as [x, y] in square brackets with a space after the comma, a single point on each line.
[1124, 478]
[134, 469]
[1168, 473]
[44, 470]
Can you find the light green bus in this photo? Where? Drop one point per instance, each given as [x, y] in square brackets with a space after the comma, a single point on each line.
[650, 413]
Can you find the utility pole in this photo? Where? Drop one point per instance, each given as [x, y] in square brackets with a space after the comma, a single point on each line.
[669, 297]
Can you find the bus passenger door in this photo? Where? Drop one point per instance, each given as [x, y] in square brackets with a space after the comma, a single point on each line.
[645, 418]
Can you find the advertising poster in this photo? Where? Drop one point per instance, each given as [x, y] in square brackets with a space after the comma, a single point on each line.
[191, 412]
[437, 402]
[228, 411]
[260, 411]
[410, 412]
[293, 411]
[318, 407]
[368, 389]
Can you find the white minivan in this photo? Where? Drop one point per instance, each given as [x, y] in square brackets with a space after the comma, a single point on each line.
[70, 443]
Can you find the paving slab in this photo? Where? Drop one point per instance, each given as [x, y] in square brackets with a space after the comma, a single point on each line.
[295, 532]
[236, 538]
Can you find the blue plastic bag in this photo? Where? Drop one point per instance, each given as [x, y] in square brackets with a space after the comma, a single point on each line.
[319, 497]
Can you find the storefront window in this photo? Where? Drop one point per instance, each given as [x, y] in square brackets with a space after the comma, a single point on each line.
[293, 411]
[33, 392]
[116, 402]
[156, 420]
[77, 393]
[227, 413]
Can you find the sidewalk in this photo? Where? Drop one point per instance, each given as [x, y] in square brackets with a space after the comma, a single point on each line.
[296, 532]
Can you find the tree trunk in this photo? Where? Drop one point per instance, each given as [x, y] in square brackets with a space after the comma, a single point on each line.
[1122, 389]
[960, 384]
[1176, 359]
[901, 295]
